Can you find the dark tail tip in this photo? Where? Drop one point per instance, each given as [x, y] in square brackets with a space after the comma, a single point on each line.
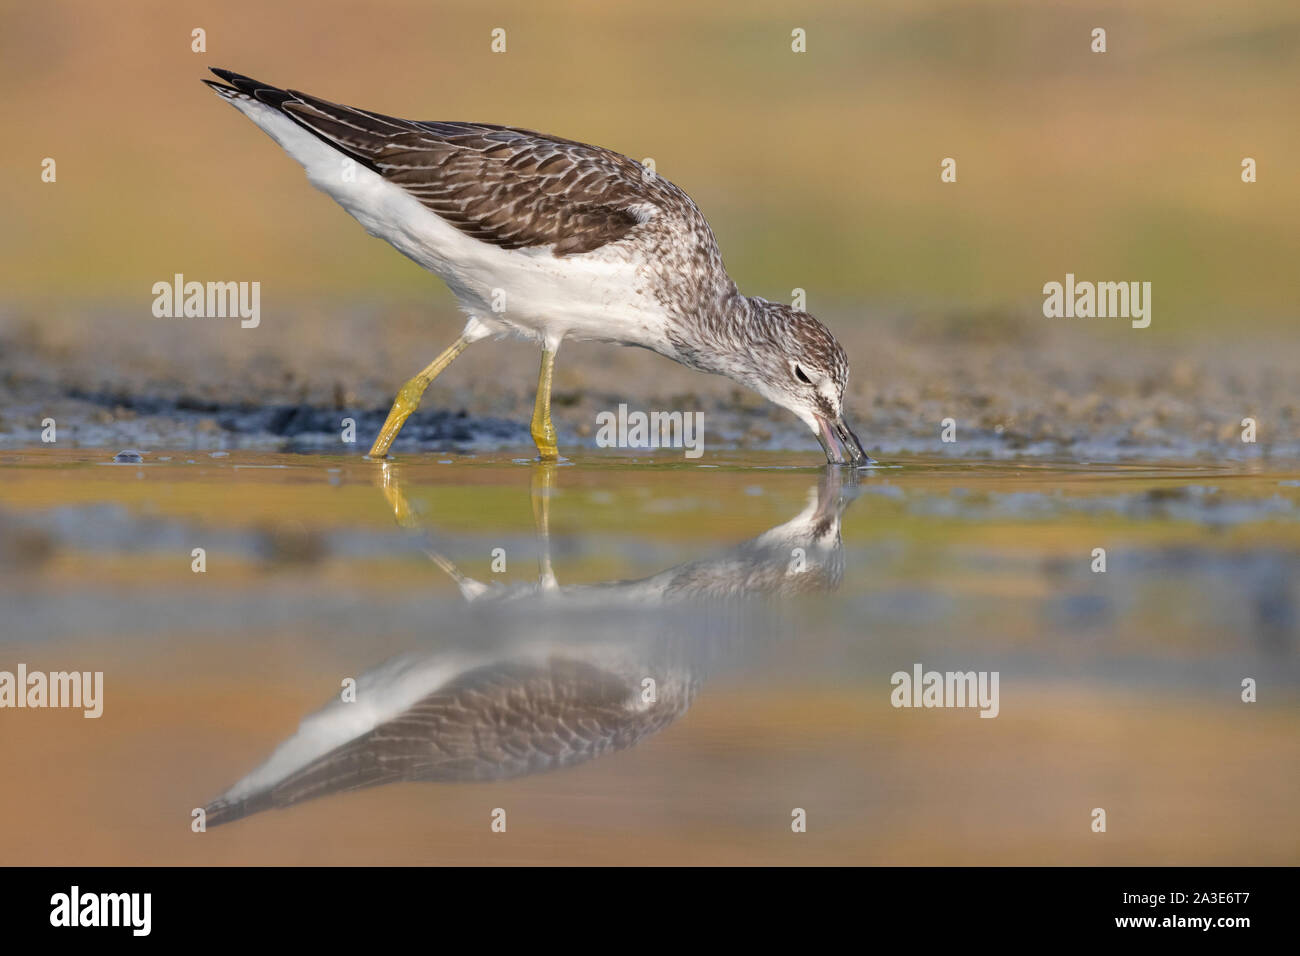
[226, 91]
[265, 92]
[228, 811]
[237, 80]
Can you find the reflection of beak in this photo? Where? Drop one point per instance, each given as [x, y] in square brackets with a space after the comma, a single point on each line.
[841, 445]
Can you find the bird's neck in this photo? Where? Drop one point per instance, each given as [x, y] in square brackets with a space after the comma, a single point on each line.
[719, 336]
[702, 337]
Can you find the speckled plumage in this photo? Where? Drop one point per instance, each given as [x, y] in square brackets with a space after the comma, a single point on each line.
[501, 720]
[549, 239]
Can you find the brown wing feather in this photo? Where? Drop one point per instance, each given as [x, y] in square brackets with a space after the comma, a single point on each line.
[500, 721]
[510, 187]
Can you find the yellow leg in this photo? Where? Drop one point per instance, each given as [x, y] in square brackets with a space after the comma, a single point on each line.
[402, 512]
[543, 430]
[542, 487]
[408, 399]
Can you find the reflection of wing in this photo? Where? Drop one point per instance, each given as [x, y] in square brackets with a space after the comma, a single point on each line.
[497, 721]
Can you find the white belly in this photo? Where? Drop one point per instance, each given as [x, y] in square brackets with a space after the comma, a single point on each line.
[526, 292]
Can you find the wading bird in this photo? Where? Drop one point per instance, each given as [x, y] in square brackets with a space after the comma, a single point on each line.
[566, 240]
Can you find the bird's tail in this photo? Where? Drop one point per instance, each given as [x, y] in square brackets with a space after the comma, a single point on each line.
[221, 810]
[238, 85]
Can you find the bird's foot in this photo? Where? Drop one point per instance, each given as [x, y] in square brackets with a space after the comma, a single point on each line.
[407, 401]
[546, 440]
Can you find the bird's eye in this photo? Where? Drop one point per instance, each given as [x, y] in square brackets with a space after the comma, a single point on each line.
[801, 376]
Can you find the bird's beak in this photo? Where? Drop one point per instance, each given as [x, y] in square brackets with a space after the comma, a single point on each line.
[841, 445]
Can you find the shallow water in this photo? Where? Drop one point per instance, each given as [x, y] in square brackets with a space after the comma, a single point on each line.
[502, 618]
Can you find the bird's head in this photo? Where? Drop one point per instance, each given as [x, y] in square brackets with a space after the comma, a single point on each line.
[794, 361]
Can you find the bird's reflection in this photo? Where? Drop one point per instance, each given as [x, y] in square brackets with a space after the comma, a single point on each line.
[593, 668]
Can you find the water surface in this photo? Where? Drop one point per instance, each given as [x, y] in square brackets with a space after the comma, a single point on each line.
[501, 620]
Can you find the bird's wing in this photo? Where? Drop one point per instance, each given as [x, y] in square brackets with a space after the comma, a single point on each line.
[509, 187]
[498, 721]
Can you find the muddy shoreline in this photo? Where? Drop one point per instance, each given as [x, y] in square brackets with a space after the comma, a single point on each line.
[1017, 387]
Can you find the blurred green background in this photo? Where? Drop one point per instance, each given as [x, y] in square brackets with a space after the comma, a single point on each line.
[818, 170]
